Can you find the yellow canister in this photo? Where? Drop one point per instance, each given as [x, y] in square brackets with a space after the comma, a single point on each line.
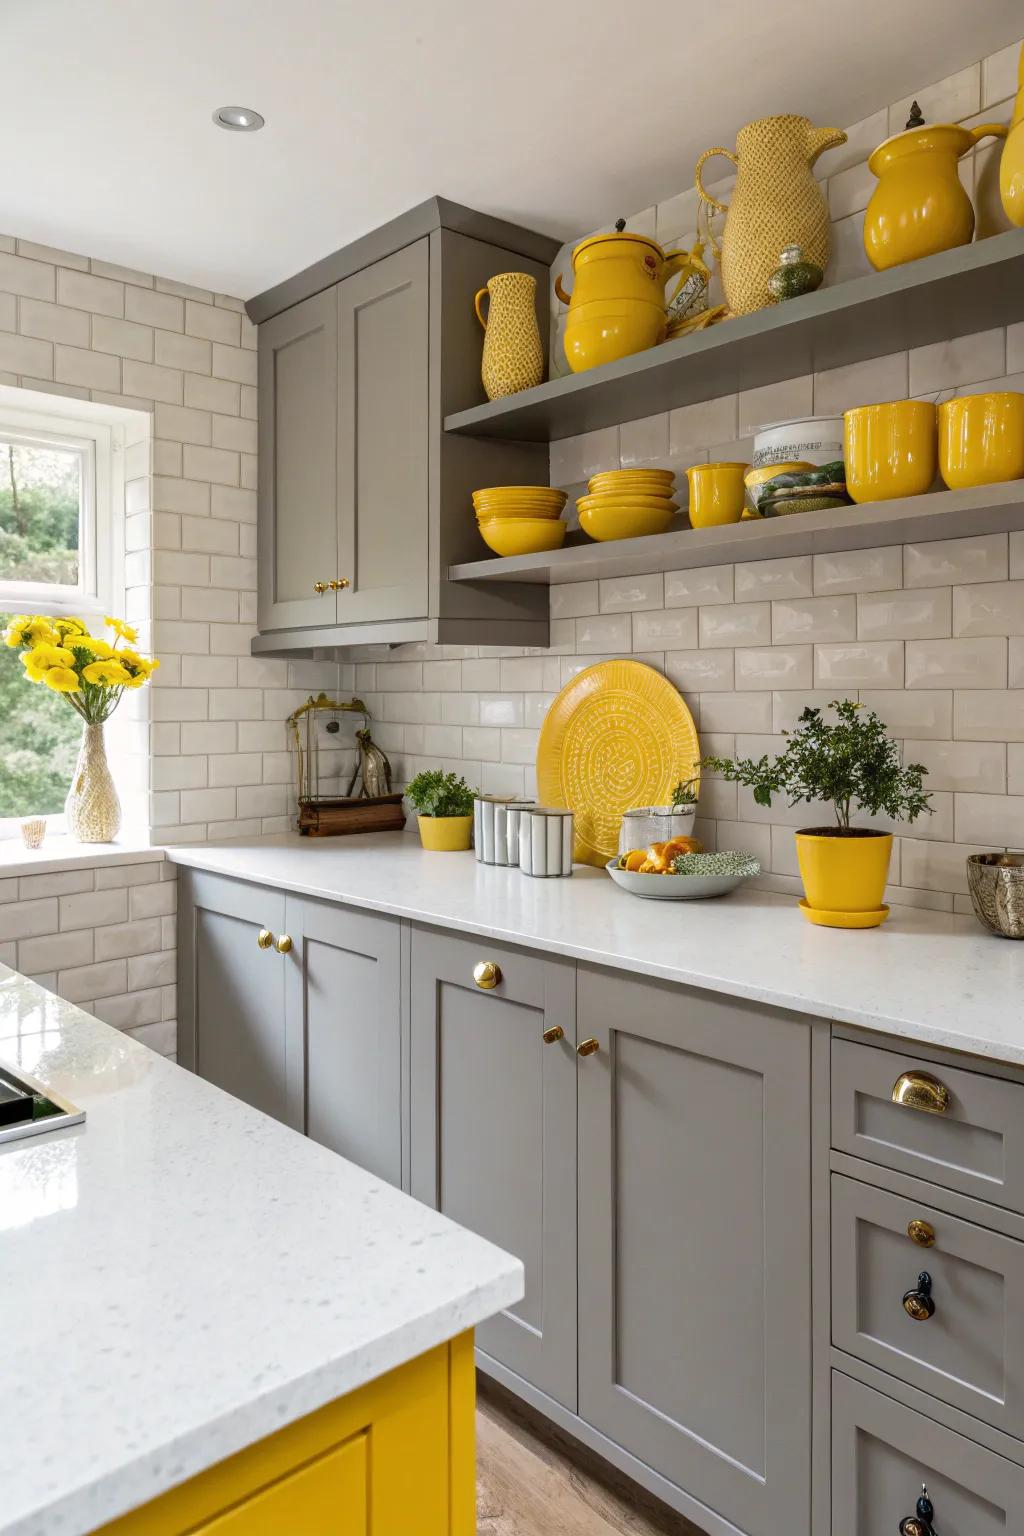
[716, 494]
[890, 450]
[981, 439]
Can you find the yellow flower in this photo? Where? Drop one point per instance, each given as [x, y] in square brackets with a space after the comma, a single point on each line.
[98, 648]
[62, 680]
[39, 629]
[106, 674]
[43, 658]
[68, 627]
[125, 631]
[140, 667]
[14, 634]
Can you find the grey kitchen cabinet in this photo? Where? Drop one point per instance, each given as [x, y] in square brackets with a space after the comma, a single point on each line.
[360, 359]
[695, 1242]
[233, 1027]
[493, 1131]
[342, 1000]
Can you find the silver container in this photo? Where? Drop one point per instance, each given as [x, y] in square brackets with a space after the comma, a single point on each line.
[545, 842]
[495, 820]
[996, 884]
[649, 824]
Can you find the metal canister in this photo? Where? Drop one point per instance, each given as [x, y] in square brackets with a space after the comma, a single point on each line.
[493, 819]
[545, 842]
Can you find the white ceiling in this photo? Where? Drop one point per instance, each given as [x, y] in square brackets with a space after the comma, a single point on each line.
[561, 114]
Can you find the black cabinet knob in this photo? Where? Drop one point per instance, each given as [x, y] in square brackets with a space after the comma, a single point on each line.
[918, 1304]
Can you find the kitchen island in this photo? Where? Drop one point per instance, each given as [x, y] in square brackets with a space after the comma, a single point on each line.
[197, 1299]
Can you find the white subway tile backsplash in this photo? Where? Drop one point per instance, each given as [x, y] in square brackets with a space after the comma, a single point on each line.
[871, 382]
[735, 624]
[954, 562]
[695, 671]
[993, 608]
[988, 714]
[736, 712]
[631, 594]
[700, 588]
[859, 664]
[501, 709]
[918, 614]
[774, 578]
[774, 667]
[644, 442]
[792, 398]
[603, 634]
[978, 663]
[948, 364]
[669, 630]
[574, 599]
[960, 765]
[709, 421]
[798, 620]
[994, 820]
[923, 713]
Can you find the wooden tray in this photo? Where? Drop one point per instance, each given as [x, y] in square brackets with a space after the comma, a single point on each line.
[342, 816]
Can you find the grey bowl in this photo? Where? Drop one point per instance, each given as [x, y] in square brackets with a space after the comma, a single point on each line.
[996, 884]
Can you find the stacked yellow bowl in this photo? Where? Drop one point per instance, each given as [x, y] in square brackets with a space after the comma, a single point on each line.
[627, 503]
[520, 519]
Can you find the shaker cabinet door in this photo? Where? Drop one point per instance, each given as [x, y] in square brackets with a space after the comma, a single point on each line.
[694, 1258]
[383, 414]
[232, 1027]
[493, 1132]
[343, 978]
[298, 464]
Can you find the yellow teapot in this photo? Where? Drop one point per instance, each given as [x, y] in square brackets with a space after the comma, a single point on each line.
[617, 305]
[1011, 165]
[920, 205]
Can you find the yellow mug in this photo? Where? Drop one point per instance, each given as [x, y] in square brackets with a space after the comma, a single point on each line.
[890, 450]
[716, 494]
[981, 439]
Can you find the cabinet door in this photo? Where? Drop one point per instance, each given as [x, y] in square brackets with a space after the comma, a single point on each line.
[383, 404]
[493, 1132]
[694, 1264]
[232, 1026]
[343, 977]
[298, 469]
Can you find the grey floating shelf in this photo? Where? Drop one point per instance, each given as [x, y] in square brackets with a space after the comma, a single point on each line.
[911, 520]
[968, 289]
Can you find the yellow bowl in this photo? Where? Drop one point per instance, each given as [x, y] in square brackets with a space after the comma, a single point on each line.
[488, 514]
[716, 494]
[604, 522]
[890, 450]
[617, 477]
[627, 499]
[521, 535]
[981, 439]
[540, 493]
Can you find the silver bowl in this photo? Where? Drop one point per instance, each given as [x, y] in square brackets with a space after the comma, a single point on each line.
[996, 884]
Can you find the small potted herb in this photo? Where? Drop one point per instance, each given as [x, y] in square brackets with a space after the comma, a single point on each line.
[648, 824]
[444, 803]
[851, 763]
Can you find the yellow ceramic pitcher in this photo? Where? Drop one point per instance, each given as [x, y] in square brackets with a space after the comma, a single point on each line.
[920, 205]
[1011, 166]
[776, 203]
[617, 305]
[513, 356]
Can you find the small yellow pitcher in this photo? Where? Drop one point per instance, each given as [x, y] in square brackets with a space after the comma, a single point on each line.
[1011, 165]
[513, 356]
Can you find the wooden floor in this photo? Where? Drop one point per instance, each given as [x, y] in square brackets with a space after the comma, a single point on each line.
[533, 1482]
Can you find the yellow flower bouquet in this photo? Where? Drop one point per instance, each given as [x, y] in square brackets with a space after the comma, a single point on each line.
[91, 674]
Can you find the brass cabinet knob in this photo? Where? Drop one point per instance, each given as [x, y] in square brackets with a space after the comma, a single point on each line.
[921, 1232]
[320, 587]
[339, 585]
[919, 1090]
[917, 1302]
[284, 944]
[556, 1032]
[487, 975]
[588, 1047]
[264, 938]
[920, 1522]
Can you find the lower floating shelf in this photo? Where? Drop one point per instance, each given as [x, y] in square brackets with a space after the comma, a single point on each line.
[911, 520]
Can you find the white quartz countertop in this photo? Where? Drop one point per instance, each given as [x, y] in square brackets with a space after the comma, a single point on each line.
[927, 976]
[181, 1276]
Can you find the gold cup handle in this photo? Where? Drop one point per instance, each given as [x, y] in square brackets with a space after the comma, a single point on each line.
[264, 938]
[919, 1090]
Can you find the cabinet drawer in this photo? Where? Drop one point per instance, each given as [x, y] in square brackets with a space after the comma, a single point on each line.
[976, 1145]
[881, 1455]
[970, 1352]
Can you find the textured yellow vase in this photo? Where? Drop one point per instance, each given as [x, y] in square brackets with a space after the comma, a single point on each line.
[920, 205]
[92, 810]
[513, 356]
[844, 874]
[776, 202]
[716, 494]
[1011, 165]
[981, 439]
[890, 450]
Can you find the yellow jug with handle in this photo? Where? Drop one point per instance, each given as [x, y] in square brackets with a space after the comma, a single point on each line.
[513, 357]
[1011, 165]
[618, 303]
[920, 205]
[776, 202]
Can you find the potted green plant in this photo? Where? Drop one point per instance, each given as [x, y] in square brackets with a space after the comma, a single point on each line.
[846, 764]
[444, 803]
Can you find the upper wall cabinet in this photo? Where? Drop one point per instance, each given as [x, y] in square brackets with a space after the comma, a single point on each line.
[364, 502]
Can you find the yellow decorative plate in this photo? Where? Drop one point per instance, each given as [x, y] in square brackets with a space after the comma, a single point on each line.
[617, 736]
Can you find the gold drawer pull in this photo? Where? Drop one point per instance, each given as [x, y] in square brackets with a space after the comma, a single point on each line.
[487, 975]
[556, 1032]
[921, 1232]
[588, 1047]
[284, 944]
[319, 587]
[264, 938]
[340, 584]
[919, 1090]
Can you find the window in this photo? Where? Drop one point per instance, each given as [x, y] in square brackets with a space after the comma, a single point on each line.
[61, 483]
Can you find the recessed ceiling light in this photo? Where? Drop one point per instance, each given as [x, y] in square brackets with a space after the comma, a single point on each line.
[238, 119]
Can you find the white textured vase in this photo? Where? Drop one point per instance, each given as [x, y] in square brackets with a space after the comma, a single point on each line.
[92, 810]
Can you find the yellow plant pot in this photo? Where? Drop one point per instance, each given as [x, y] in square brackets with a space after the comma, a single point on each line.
[844, 876]
[716, 494]
[890, 450]
[446, 834]
[981, 439]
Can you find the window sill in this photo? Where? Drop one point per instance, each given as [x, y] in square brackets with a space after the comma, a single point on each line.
[60, 853]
